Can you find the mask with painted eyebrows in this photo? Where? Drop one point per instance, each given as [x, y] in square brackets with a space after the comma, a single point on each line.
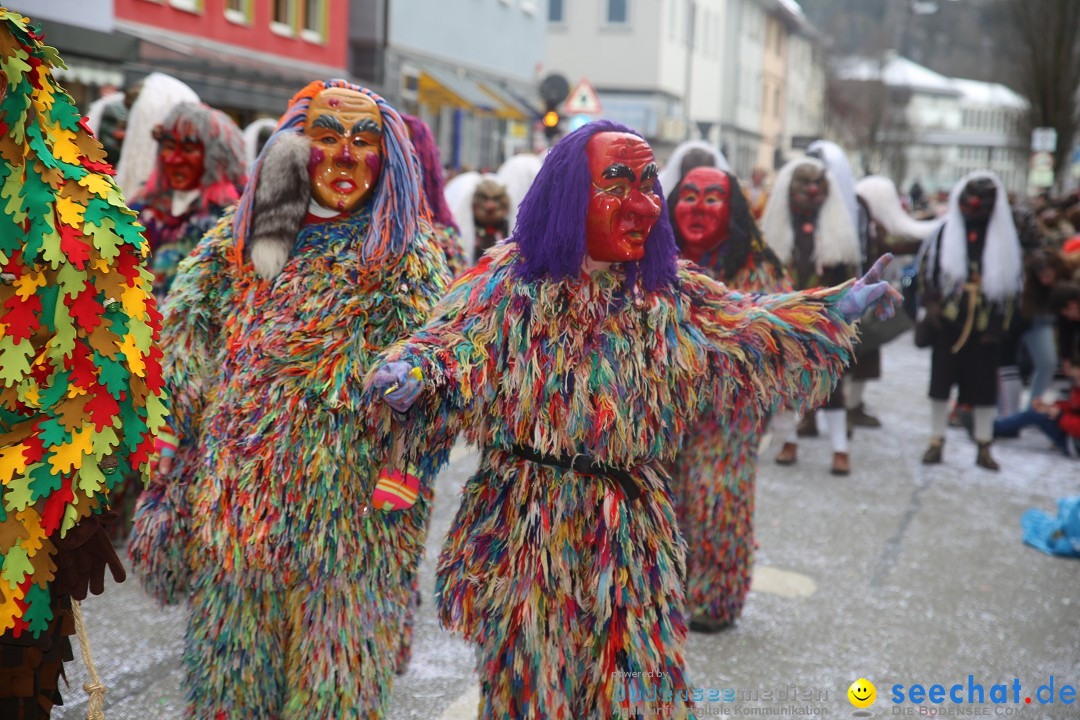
[345, 128]
[624, 206]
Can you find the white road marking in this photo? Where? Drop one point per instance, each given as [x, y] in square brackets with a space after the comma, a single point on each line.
[784, 583]
[465, 707]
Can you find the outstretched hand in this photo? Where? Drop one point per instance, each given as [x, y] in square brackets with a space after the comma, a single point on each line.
[398, 384]
[871, 292]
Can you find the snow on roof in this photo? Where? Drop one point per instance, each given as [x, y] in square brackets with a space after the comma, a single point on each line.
[793, 7]
[990, 94]
[898, 71]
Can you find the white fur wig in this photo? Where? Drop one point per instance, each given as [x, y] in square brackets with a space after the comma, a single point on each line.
[251, 137]
[517, 174]
[843, 181]
[97, 110]
[672, 173]
[835, 239]
[1002, 264]
[881, 197]
[459, 196]
[159, 95]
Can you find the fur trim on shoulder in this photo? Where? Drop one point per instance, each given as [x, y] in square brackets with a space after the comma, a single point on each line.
[281, 202]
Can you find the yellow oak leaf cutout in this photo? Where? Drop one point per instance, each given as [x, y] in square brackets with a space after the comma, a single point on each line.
[68, 456]
[12, 461]
[70, 211]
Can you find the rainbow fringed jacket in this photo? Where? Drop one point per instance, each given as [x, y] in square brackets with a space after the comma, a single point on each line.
[80, 374]
[585, 365]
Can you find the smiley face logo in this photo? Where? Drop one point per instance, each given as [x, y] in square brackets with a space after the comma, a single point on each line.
[862, 693]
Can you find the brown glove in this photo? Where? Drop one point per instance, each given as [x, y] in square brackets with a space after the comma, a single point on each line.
[82, 556]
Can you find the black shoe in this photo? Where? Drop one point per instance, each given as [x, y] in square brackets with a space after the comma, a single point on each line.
[709, 626]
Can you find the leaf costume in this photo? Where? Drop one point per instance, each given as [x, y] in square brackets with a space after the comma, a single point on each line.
[80, 375]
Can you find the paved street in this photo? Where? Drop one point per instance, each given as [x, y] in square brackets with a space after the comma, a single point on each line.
[899, 574]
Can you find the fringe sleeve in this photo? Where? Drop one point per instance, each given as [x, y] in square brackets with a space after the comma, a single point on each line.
[453, 350]
[788, 349]
[191, 328]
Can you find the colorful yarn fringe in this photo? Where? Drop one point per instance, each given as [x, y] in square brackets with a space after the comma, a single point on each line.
[556, 576]
[80, 380]
[268, 396]
[712, 480]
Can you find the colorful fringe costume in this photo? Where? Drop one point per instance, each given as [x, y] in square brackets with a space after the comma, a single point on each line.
[298, 586]
[80, 377]
[712, 480]
[446, 230]
[562, 578]
[556, 576]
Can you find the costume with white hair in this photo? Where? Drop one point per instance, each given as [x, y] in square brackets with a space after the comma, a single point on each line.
[843, 179]
[835, 241]
[459, 194]
[971, 276]
[264, 128]
[883, 201]
[517, 174]
[818, 249]
[160, 93]
[674, 171]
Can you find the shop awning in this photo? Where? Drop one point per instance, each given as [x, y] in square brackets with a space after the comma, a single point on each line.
[89, 72]
[509, 107]
[438, 88]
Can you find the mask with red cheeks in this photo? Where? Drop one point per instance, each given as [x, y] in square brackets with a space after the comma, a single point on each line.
[183, 158]
[345, 128]
[703, 211]
[977, 200]
[624, 206]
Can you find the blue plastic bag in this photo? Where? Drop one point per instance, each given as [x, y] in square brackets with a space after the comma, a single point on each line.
[1054, 535]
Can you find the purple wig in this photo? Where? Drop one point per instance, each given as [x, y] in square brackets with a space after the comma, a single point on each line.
[431, 163]
[550, 230]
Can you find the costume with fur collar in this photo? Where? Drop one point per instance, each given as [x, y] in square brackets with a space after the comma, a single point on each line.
[266, 379]
[588, 365]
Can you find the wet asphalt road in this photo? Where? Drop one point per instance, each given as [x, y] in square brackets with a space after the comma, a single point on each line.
[899, 574]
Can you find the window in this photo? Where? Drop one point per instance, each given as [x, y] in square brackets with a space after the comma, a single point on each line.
[555, 11]
[282, 20]
[313, 17]
[618, 12]
[191, 5]
[238, 11]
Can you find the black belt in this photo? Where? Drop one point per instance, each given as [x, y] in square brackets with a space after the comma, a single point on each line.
[584, 465]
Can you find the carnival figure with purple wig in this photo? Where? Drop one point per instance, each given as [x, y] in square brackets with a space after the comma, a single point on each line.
[576, 355]
[298, 574]
[199, 173]
[442, 220]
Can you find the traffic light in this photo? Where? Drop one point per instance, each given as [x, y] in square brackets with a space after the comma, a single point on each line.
[552, 119]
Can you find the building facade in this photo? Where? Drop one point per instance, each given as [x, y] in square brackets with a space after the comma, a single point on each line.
[657, 65]
[247, 57]
[950, 126]
[468, 69]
